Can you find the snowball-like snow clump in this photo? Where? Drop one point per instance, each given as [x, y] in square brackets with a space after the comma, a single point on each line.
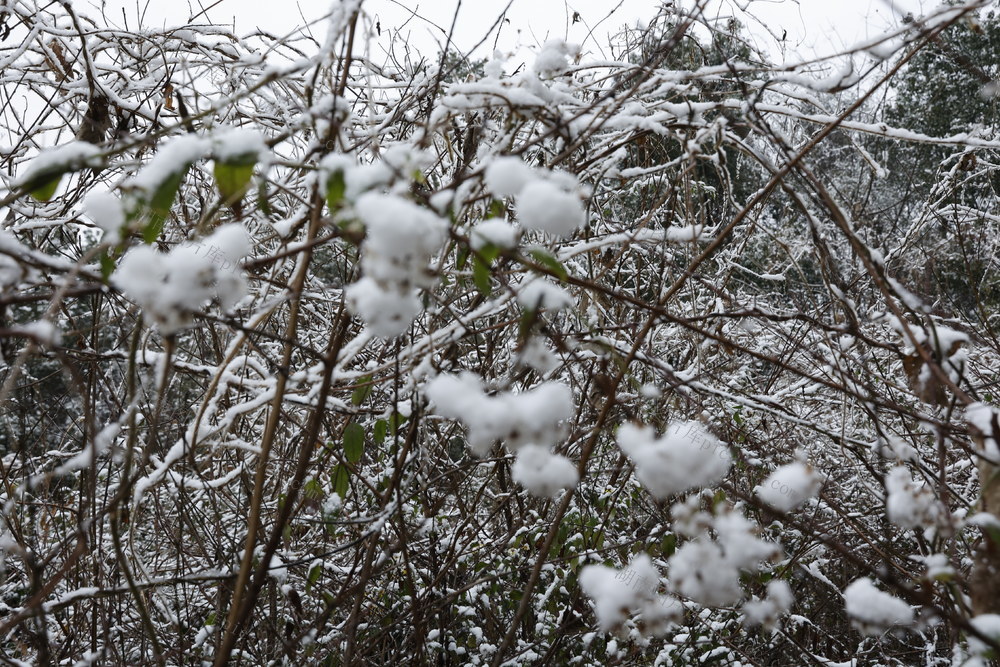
[552, 58]
[401, 239]
[174, 157]
[387, 312]
[989, 625]
[494, 231]
[535, 354]
[171, 287]
[11, 271]
[543, 206]
[708, 571]
[909, 504]
[687, 456]
[766, 612]
[68, 157]
[543, 294]
[789, 486]
[506, 176]
[980, 416]
[238, 145]
[107, 212]
[518, 419]
[874, 611]
[543, 473]
[616, 593]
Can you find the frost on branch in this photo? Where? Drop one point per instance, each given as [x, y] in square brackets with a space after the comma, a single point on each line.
[687, 456]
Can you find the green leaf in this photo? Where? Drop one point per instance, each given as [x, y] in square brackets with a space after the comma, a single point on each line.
[341, 478]
[395, 421]
[160, 203]
[107, 265]
[363, 390]
[233, 179]
[262, 202]
[381, 429]
[461, 258]
[315, 572]
[489, 252]
[354, 442]
[668, 545]
[313, 489]
[336, 188]
[548, 260]
[481, 275]
[44, 187]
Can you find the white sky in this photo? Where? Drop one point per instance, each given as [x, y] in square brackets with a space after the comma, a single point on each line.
[813, 26]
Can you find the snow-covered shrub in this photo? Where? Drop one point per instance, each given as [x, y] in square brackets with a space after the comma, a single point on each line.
[321, 350]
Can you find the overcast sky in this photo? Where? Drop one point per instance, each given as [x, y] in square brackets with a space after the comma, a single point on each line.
[812, 26]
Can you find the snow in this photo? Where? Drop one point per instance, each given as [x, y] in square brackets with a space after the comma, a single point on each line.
[551, 59]
[42, 331]
[909, 504]
[535, 354]
[11, 272]
[616, 593]
[707, 570]
[543, 206]
[495, 232]
[874, 611]
[989, 625]
[775, 604]
[238, 145]
[543, 294]
[981, 418]
[101, 444]
[789, 486]
[699, 570]
[543, 473]
[506, 176]
[518, 419]
[387, 312]
[400, 240]
[67, 157]
[686, 457]
[171, 287]
[106, 211]
[172, 158]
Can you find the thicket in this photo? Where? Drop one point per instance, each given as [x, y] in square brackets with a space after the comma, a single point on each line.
[313, 356]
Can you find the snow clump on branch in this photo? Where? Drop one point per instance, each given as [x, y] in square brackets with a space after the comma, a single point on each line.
[873, 611]
[171, 287]
[686, 457]
[400, 241]
[789, 486]
[616, 593]
[528, 423]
